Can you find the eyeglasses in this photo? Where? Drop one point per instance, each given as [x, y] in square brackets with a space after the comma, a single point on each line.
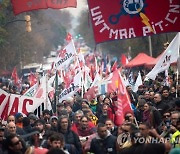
[166, 116]
[142, 129]
[11, 120]
[174, 118]
[84, 121]
[12, 127]
[16, 143]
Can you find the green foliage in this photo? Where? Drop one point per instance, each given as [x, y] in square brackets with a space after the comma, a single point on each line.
[3, 33]
[17, 46]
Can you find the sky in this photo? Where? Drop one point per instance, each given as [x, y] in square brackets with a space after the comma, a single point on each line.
[80, 5]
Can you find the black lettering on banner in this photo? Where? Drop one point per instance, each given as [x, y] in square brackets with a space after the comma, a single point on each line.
[65, 58]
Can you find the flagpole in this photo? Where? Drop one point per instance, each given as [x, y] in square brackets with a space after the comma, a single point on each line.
[82, 83]
[56, 92]
[177, 77]
[177, 83]
[150, 45]
[46, 92]
[82, 78]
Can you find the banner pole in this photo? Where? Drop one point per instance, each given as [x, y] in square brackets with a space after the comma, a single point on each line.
[178, 67]
[150, 45]
[46, 91]
[177, 82]
[82, 83]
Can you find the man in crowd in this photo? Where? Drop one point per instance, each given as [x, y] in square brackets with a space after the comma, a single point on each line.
[14, 145]
[104, 142]
[159, 104]
[111, 127]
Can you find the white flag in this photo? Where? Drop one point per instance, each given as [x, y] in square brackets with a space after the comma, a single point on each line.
[169, 56]
[72, 89]
[66, 56]
[138, 82]
[42, 92]
[31, 91]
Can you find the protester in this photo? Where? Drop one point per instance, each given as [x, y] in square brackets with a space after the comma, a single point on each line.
[104, 116]
[139, 147]
[27, 128]
[91, 116]
[18, 120]
[132, 95]
[111, 127]
[160, 104]
[42, 135]
[14, 145]
[69, 136]
[76, 123]
[104, 142]
[140, 110]
[53, 122]
[2, 139]
[11, 118]
[153, 115]
[56, 140]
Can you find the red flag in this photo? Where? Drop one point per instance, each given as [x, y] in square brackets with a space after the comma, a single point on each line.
[32, 79]
[62, 53]
[91, 93]
[67, 79]
[114, 67]
[124, 60]
[123, 105]
[130, 19]
[20, 6]
[14, 76]
[113, 82]
[92, 71]
[68, 37]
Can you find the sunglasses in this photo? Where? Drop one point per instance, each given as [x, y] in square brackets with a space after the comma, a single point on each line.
[16, 143]
[142, 129]
[166, 116]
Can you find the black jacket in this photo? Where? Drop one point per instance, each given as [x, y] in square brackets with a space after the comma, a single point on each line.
[103, 146]
[162, 107]
[72, 138]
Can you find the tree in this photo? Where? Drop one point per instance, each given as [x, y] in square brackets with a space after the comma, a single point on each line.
[19, 47]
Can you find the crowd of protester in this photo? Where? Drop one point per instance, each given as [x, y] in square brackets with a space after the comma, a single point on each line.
[80, 126]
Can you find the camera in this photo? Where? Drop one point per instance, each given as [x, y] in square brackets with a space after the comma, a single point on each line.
[168, 124]
[115, 98]
[127, 118]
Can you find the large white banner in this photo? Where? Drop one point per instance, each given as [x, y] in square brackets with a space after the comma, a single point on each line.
[12, 104]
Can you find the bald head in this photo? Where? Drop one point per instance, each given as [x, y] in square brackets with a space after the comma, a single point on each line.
[11, 128]
[157, 98]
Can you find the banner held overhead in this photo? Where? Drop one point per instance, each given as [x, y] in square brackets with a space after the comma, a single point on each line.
[125, 19]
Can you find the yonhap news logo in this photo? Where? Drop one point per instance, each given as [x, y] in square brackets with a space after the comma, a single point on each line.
[125, 138]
